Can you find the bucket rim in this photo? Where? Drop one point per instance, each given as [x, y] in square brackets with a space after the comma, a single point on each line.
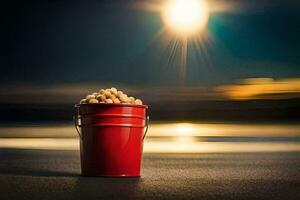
[111, 105]
[113, 115]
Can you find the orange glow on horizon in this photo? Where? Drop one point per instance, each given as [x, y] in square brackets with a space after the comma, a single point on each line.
[255, 88]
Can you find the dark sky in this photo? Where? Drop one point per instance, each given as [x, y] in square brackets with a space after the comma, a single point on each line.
[45, 42]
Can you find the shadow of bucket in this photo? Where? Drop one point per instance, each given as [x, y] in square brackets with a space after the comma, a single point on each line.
[111, 138]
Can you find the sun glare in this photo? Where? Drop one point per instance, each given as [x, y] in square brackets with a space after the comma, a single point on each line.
[186, 16]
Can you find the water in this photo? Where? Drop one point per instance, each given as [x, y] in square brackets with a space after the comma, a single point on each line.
[165, 137]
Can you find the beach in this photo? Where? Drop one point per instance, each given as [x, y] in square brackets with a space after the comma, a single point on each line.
[181, 161]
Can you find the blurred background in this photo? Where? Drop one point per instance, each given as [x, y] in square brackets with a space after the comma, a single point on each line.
[234, 86]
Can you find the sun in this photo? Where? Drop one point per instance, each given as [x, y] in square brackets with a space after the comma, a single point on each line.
[185, 16]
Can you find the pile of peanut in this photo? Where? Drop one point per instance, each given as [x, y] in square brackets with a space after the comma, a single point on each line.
[111, 95]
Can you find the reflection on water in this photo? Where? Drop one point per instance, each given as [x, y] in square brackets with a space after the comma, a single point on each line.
[168, 137]
[243, 130]
[220, 147]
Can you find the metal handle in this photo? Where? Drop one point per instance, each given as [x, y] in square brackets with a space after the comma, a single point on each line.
[75, 119]
[147, 126]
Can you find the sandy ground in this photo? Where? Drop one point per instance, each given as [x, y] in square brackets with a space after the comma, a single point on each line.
[50, 174]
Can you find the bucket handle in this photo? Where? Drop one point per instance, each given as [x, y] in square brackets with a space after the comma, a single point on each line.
[147, 126]
[75, 119]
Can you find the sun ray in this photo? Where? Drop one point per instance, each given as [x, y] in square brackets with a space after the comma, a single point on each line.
[175, 38]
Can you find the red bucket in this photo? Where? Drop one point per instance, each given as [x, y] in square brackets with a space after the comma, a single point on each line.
[111, 138]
